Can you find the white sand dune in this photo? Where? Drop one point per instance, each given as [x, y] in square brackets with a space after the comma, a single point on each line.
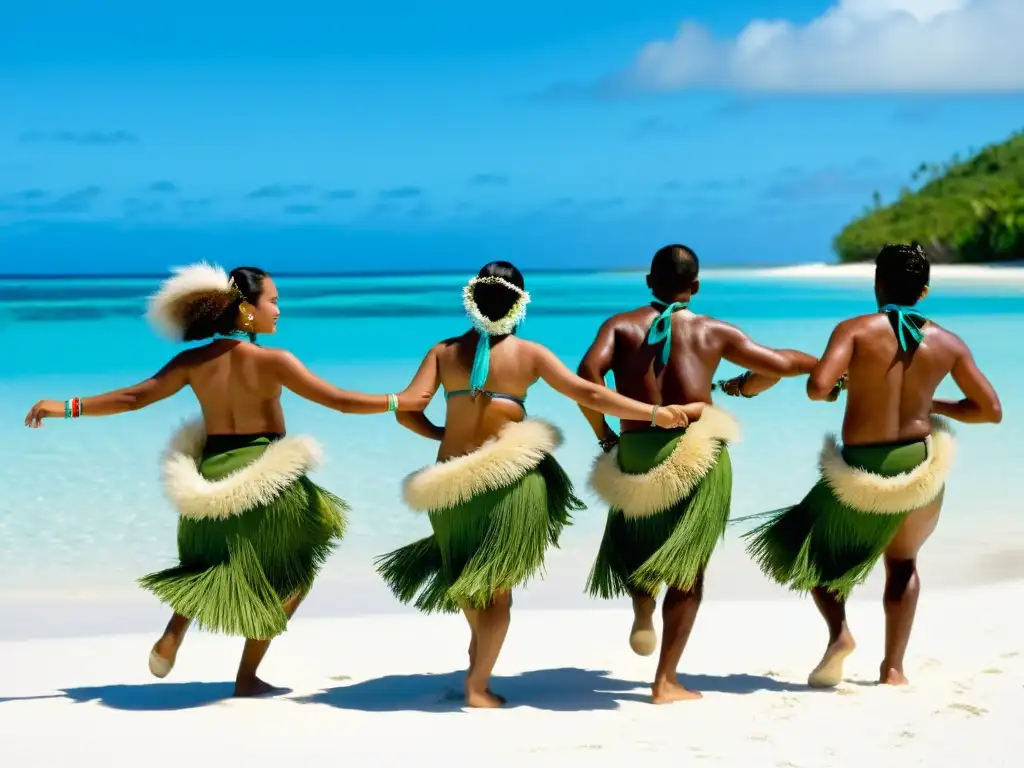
[365, 688]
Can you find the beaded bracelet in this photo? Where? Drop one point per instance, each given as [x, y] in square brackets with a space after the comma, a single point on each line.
[392, 403]
[743, 379]
[73, 408]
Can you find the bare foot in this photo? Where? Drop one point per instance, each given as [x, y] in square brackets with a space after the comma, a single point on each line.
[485, 700]
[643, 638]
[890, 676]
[254, 687]
[668, 692]
[451, 694]
[163, 655]
[829, 672]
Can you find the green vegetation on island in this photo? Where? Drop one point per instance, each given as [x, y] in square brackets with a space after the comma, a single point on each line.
[966, 211]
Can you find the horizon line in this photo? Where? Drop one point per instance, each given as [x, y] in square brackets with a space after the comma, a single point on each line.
[391, 273]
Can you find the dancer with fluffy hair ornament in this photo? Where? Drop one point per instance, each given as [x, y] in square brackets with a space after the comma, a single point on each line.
[253, 528]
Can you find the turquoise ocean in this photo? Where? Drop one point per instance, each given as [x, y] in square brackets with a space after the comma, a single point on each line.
[82, 514]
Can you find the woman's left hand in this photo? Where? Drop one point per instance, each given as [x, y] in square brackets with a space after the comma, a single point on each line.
[44, 409]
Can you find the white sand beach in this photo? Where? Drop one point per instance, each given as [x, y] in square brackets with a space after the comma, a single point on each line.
[979, 273]
[365, 688]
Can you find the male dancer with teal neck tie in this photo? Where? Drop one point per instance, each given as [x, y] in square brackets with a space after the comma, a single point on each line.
[880, 491]
[669, 490]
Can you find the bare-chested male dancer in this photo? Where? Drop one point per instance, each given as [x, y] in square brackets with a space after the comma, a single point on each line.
[881, 490]
[669, 490]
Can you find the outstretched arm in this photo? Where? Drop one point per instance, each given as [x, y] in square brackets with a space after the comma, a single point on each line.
[765, 366]
[834, 364]
[168, 381]
[422, 389]
[594, 367]
[293, 375]
[599, 398]
[980, 404]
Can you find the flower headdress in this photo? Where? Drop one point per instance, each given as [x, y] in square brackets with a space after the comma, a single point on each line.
[189, 293]
[502, 326]
[486, 327]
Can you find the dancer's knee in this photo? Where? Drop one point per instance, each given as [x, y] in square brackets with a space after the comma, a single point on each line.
[501, 605]
[675, 596]
[901, 575]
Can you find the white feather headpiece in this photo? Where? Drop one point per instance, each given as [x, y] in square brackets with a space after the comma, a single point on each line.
[503, 326]
[173, 307]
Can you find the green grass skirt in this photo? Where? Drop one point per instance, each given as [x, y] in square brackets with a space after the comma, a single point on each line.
[234, 573]
[494, 542]
[822, 542]
[673, 547]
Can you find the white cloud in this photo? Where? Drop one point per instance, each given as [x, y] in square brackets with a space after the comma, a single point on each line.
[855, 46]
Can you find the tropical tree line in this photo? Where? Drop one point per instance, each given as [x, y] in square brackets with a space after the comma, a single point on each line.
[968, 210]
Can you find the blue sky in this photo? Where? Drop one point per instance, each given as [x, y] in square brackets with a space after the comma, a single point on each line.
[323, 136]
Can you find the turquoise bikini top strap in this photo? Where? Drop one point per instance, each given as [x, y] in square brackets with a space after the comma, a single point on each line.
[487, 392]
[520, 401]
[904, 326]
[661, 328]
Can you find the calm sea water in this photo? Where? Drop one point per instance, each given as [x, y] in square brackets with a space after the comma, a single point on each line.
[81, 509]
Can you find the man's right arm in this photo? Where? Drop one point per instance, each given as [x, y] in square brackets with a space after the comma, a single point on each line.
[594, 367]
[766, 366]
[980, 403]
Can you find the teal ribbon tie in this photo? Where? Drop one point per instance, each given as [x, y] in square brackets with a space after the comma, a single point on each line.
[481, 363]
[661, 328]
[903, 326]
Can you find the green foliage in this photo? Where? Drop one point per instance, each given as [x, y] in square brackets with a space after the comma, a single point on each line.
[964, 211]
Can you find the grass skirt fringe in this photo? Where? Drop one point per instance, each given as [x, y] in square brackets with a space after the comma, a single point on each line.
[835, 536]
[237, 566]
[492, 542]
[821, 542]
[671, 547]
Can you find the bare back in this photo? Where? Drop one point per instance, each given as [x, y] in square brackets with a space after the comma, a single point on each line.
[238, 387]
[698, 345]
[889, 390]
[469, 421]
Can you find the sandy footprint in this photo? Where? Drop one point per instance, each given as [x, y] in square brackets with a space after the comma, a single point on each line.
[969, 709]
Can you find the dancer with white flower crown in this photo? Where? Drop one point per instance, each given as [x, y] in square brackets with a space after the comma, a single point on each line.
[496, 498]
[253, 529]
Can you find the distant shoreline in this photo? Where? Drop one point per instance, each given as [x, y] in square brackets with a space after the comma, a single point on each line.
[960, 272]
[1013, 272]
